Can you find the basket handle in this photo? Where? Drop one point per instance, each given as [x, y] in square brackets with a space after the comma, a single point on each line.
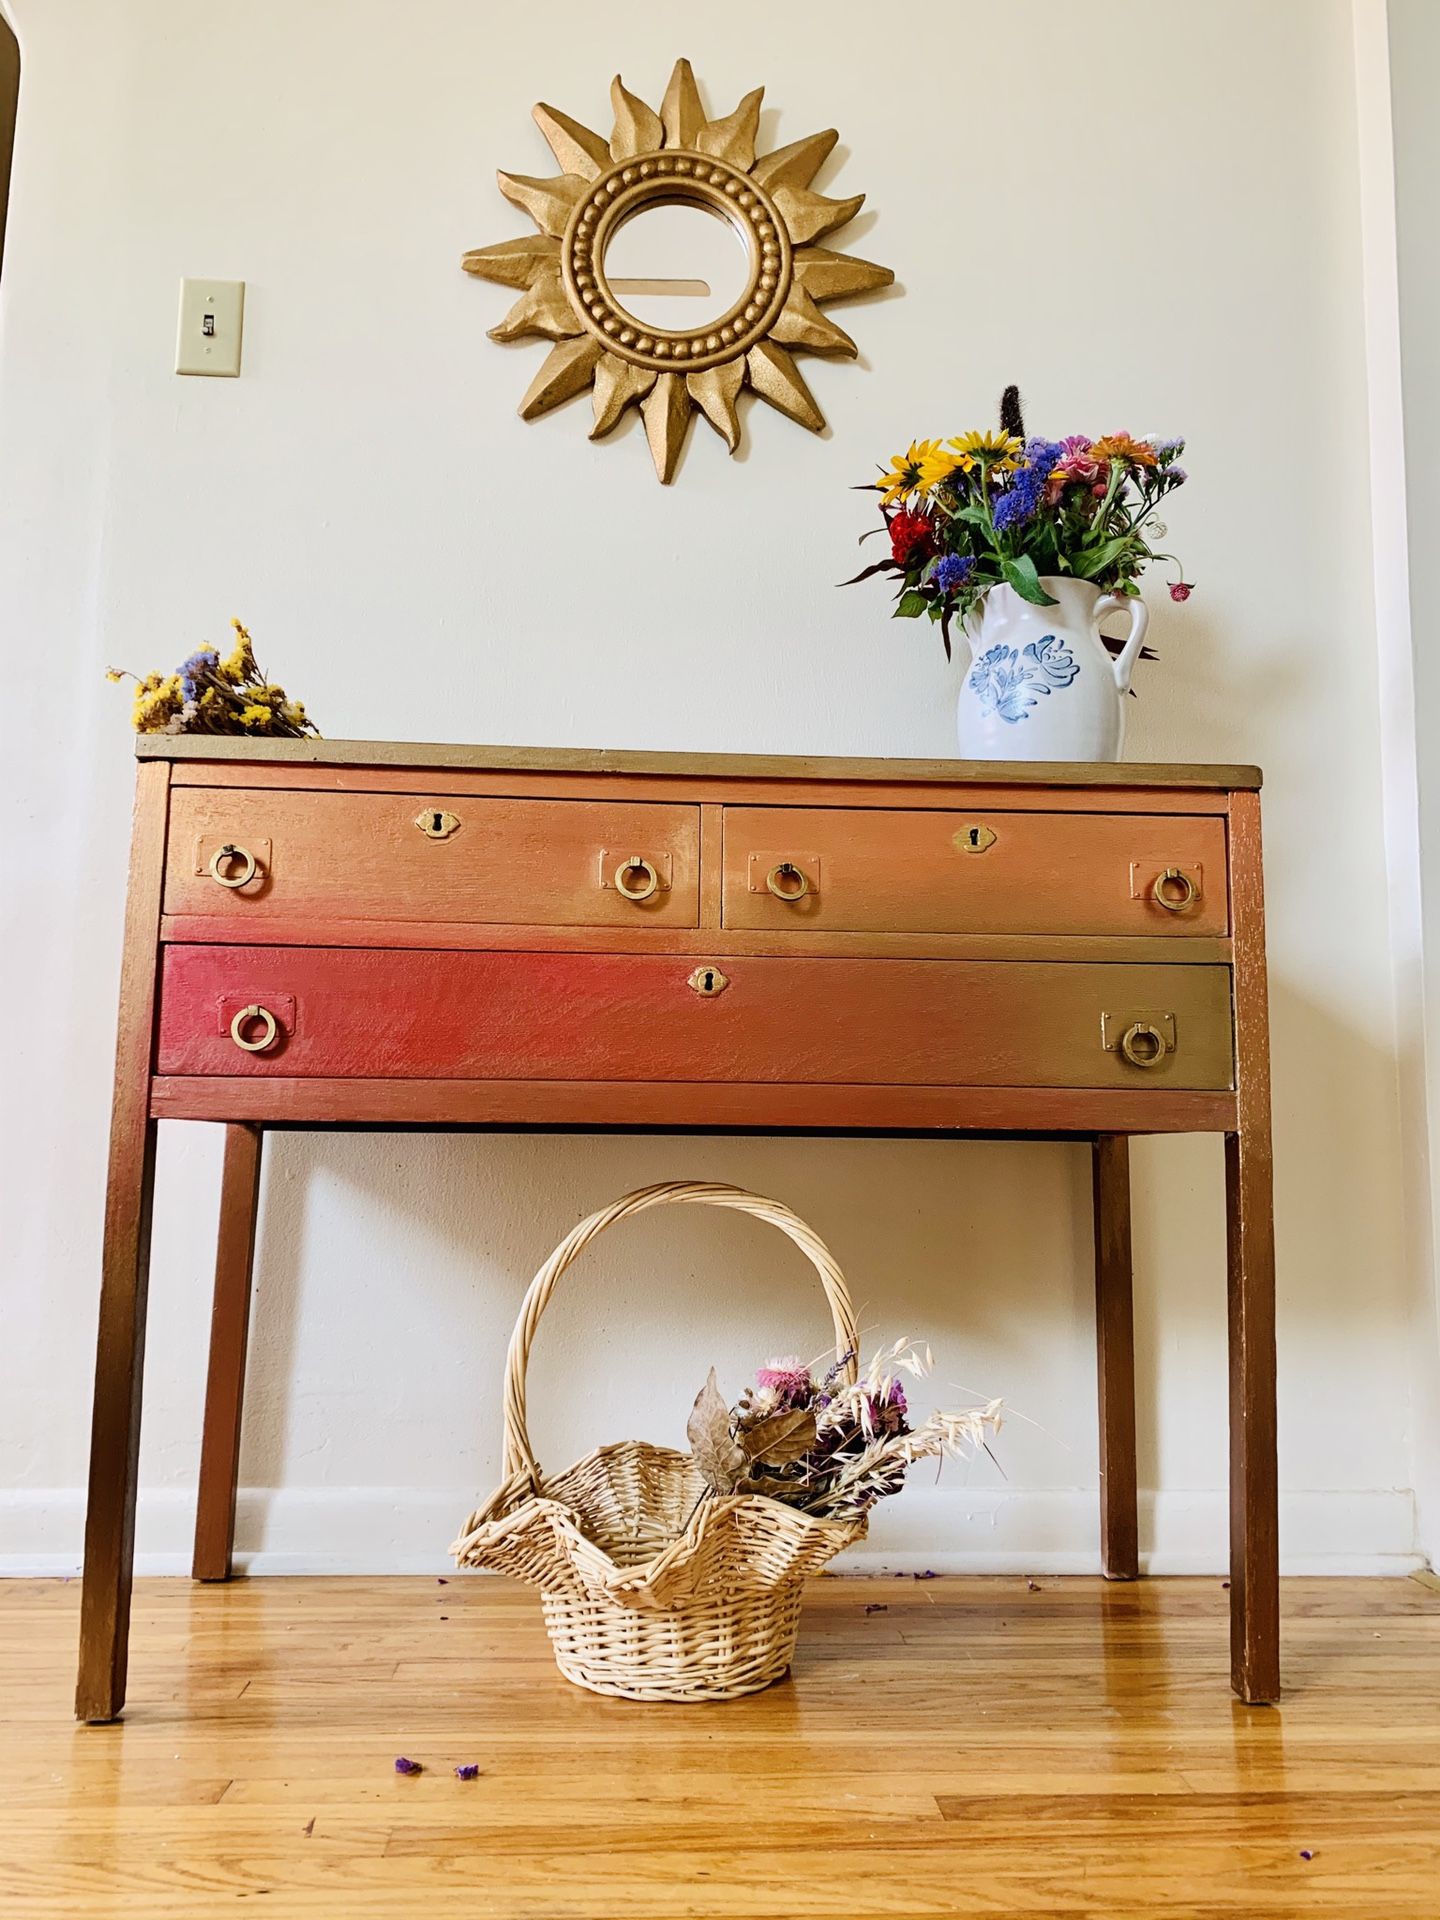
[519, 1460]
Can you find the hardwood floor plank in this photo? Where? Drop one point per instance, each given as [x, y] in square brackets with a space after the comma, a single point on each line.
[987, 1746]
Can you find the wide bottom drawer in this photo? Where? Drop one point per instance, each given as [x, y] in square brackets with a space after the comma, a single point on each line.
[343, 1013]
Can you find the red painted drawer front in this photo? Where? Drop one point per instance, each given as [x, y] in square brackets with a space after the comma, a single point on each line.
[882, 870]
[361, 856]
[609, 1017]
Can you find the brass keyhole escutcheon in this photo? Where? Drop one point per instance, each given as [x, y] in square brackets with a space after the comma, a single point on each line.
[435, 823]
[975, 838]
[787, 882]
[707, 981]
[1143, 1044]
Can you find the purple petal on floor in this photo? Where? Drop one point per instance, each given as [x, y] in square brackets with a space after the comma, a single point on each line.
[402, 1765]
[469, 1772]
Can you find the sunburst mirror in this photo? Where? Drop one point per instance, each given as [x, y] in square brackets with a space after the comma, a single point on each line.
[677, 156]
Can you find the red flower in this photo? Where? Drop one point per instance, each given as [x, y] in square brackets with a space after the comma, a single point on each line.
[912, 539]
[1181, 590]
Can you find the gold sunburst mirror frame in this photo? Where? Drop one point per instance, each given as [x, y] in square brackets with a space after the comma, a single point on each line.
[660, 159]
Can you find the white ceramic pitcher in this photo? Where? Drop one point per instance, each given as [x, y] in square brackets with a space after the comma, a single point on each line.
[1041, 684]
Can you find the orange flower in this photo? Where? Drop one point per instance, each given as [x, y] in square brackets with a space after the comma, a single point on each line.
[1121, 446]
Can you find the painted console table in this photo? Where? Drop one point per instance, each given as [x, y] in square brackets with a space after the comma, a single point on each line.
[328, 934]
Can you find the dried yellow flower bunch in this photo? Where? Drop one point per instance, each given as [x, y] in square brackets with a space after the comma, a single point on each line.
[208, 694]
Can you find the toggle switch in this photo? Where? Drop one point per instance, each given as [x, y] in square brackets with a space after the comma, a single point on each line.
[212, 316]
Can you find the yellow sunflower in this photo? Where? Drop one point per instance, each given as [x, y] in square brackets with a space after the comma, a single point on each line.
[999, 452]
[915, 472]
[1121, 446]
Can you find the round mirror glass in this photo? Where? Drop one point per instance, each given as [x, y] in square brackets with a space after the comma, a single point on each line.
[676, 265]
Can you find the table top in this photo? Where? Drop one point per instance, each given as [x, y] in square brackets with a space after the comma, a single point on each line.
[419, 754]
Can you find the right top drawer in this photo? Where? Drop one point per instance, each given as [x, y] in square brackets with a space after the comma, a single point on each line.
[891, 870]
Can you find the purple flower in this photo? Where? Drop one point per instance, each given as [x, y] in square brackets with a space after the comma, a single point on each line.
[204, 660]
[402, 1765]
[1043, 453]
[1177, 476]
[468, 1772]
[887, 1411]
[1021, 499]
[953, 571]
[1015, 506]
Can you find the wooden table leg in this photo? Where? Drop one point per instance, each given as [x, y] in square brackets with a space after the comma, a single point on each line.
[1115, 1345]
[124, 1280]
[1254, 1493]
[229, 1332]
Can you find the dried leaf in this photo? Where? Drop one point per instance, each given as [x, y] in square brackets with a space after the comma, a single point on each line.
[722, 1464]
[780, 1439]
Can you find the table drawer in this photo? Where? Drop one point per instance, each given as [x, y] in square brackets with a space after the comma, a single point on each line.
[372, 1013]
[936, 871]
[397, 856]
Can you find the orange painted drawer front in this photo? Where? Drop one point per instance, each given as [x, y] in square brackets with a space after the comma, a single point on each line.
[361, 856]
[860, 870]
[371, 1013]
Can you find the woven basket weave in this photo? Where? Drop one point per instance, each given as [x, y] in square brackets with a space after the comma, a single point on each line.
[649, 1591]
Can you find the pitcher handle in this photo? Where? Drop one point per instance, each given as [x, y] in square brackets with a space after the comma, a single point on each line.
[1123, 665]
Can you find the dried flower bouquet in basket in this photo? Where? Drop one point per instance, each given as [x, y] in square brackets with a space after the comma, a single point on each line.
[830, 1447]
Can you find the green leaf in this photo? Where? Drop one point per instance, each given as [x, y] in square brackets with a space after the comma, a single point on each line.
[1090, 561]
[910, 606]
[1021, 575]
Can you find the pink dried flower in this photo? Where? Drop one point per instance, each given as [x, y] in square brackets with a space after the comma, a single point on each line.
[788, 1379]
[1181, 590]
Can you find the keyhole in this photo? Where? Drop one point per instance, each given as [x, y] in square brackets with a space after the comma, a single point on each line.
[436, 821]
[708, 983]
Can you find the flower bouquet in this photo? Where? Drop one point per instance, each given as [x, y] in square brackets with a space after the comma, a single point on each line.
[211, 694]
[1029, 543]
[831, 1446]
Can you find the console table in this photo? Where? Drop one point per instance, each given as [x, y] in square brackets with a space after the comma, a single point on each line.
[331, 934]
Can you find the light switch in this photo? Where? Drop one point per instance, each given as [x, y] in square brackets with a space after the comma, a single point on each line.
[212, 317]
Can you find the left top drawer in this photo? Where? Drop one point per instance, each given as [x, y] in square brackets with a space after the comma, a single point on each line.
[287, 855]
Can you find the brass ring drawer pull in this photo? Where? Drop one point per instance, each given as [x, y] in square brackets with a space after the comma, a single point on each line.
[787, 882]
[268, 1037]
[1143, 1044]
[222, 856]
[626, 884]
[1174, 902]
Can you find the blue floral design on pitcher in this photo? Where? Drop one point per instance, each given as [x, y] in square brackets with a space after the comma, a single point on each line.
[1008, 681]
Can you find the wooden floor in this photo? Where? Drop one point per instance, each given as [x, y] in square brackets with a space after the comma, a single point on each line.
[944, 1747]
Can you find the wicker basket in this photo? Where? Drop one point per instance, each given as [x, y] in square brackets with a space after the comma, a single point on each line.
[650, 1592]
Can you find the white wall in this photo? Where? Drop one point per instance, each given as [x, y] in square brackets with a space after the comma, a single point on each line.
[1149, 216]
[1414, 45]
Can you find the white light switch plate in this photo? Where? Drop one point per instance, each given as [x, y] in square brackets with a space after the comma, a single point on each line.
[212, 318]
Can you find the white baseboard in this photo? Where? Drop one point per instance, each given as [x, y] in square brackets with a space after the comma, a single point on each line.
[943, 1529]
